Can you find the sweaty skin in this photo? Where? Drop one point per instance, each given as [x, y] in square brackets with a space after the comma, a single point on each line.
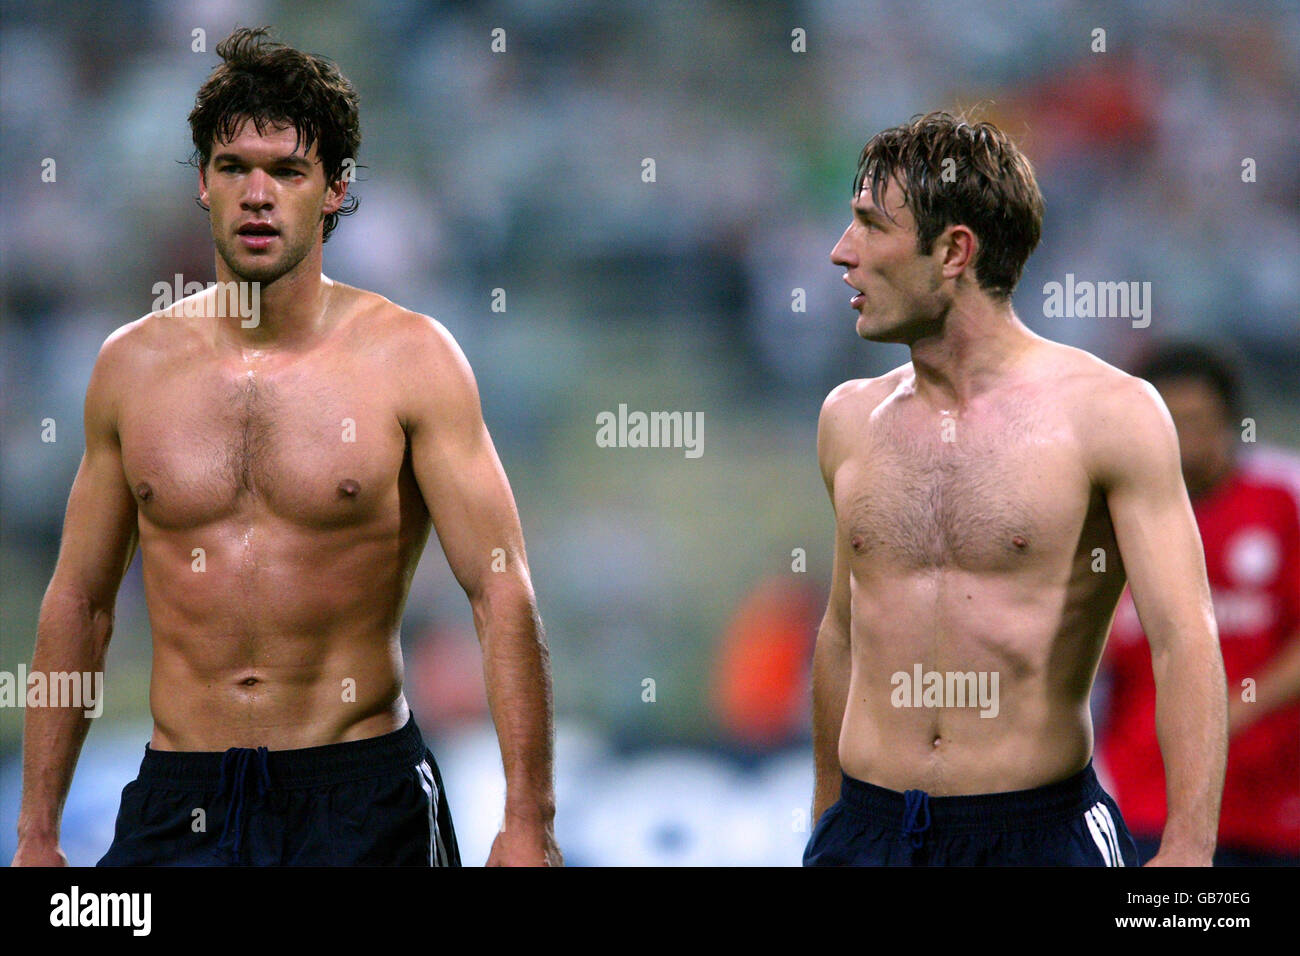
[991, 499]
[280, 478]
[280, 520]
[969, 537]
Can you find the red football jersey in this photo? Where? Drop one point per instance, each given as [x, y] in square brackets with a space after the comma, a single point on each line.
[1250, 527]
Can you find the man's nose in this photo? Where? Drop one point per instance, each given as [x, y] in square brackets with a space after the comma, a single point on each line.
[257, 191]
[842, 255]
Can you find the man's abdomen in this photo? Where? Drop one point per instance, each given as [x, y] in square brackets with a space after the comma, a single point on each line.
[291, 701]
[963, 685]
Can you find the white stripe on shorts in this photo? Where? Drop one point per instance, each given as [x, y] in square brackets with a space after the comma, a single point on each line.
[437, 852]
[1099, 835]
[1110, 829]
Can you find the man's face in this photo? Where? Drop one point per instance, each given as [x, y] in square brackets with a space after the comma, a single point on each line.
[898, 296]
[267, 201]
[1204, 432]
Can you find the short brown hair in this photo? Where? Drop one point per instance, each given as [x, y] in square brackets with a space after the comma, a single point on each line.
[274, 85]
[993, 192]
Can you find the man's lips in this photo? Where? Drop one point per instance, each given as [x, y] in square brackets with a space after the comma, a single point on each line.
[257, 235]
[858, 299]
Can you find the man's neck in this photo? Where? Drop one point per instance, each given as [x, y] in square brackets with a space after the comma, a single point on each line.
[290, 310]
[969, 354]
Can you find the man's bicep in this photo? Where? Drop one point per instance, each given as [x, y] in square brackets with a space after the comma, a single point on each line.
[460, 474]
[473, 509]
[838, 604]
[1155, 527]
[100, 529]
[829, 458]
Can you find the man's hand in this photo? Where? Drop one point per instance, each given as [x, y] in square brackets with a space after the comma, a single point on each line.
[525, 845]
[39, 853]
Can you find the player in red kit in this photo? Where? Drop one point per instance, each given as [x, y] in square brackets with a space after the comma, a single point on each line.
[1247, 505]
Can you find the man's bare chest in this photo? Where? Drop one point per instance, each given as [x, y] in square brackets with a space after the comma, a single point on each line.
[985, 493]
[309, 443]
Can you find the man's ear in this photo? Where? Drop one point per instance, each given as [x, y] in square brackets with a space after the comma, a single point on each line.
[959, 246]
[335, 194]
[203, 188]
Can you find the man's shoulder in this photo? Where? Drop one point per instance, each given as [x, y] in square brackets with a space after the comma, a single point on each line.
[1116, 418]
[410, 336]
[130, 348]
[1091, 392]
[846, 414]
[1073, 368]
[860, 396]
[423, 365]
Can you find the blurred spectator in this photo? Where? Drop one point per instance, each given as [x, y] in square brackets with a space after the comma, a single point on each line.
[1247, 507]
[444, 679]
[762, 679]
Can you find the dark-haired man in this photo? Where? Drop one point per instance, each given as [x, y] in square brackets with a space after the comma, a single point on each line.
[280, 471]
[1247, 505]
[991, 498]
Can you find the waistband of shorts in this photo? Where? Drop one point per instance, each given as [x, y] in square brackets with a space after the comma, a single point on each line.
[982, 812]
[292, 769]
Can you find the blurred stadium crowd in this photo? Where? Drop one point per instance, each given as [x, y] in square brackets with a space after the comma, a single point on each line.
[523, 171]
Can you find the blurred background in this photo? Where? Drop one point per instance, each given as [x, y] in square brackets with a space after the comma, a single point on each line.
[709, 289]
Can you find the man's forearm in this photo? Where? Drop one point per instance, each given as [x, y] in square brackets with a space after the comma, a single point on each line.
[516, 667]
[72, 637]
[1191, 725]
[830, 695]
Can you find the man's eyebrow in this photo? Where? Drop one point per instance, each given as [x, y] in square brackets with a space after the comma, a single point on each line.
[868, 212]
[291, 159]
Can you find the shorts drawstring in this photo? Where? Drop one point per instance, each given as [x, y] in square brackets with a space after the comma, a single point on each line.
[915, 804]
[234, 785]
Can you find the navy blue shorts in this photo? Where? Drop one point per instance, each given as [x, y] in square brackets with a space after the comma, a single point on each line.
[373, 802]
[1073, 822]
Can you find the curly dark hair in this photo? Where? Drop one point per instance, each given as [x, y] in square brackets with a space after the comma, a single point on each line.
[993, 190]
[276, 85]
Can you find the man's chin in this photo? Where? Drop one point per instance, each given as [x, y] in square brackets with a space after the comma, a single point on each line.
[251, 269]
[262, 276]
[874, 332]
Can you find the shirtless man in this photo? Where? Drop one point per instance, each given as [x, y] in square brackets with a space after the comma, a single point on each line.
[280, 476]
[991, 498]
